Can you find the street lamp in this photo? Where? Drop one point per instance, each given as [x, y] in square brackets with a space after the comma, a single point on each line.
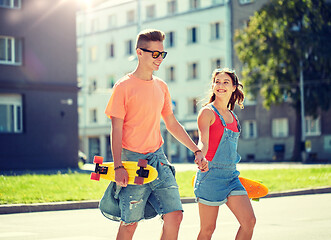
[303, 122]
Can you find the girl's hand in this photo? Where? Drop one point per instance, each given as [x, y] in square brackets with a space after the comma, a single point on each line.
[202, 162]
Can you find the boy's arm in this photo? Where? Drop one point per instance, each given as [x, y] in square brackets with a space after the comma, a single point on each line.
[181, 135]
[121, 175]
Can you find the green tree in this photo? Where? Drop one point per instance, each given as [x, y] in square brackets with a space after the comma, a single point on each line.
[280, 36]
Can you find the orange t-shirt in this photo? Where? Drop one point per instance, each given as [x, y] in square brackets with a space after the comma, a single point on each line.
[140, 104]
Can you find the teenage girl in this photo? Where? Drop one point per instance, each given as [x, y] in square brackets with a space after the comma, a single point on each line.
[219, 131]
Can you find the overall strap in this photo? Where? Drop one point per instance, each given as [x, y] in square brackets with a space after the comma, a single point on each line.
[218, 113]
[238, 124]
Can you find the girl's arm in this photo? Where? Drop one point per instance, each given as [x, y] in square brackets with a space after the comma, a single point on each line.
[205, 119]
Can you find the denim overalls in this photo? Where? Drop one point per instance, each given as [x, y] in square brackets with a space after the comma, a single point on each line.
[214, 186]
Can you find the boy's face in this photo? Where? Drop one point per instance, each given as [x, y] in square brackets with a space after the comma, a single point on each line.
[146, 58]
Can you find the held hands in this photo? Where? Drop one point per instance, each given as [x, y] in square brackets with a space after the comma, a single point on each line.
[201, 161]
[121, 176]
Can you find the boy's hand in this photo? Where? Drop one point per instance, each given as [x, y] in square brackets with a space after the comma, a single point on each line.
[202, 162]
[121, 177]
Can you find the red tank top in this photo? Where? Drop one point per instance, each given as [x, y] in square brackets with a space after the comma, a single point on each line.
[215, 135]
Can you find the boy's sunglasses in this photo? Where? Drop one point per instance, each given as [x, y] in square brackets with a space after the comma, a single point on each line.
[155, 54]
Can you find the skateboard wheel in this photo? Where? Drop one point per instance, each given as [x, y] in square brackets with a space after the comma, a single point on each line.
[139, 180]
[142, 163]
[95, 176]
[98, 159]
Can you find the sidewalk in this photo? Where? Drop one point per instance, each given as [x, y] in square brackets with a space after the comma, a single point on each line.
[24, 208]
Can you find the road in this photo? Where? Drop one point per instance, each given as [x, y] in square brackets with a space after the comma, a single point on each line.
[297, 217]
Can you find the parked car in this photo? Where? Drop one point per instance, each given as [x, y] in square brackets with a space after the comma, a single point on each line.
[82, 159]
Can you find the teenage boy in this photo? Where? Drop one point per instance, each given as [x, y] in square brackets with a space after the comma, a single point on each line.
[138, 101]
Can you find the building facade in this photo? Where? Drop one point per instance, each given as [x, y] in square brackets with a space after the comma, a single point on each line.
[268, 135]
[38, 88]
[199, 38]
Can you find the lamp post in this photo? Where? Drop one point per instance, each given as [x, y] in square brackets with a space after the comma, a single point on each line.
[303, 122]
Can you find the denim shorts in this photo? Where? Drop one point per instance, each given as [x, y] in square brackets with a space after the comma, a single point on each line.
[213, 188]
[162, 194]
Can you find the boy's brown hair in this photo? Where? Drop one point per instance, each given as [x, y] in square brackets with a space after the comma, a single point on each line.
[148, 35]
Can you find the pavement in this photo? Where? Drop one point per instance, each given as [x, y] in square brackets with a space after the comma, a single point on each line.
[304, 217]
[72, 205]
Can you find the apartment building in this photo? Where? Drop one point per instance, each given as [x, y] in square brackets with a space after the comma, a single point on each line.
[268, 135]
[38, 88]
[198, 39]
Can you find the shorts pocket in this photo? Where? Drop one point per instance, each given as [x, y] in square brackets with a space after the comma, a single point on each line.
[202, 176]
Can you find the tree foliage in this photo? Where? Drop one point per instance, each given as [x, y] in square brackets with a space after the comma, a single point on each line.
[280, 35]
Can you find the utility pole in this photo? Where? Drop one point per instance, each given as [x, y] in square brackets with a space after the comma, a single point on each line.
[303, 121]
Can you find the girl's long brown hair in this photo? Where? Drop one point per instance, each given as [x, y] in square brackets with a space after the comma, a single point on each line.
[237, 96]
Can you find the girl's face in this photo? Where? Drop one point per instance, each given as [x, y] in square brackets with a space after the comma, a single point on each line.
[223, 85]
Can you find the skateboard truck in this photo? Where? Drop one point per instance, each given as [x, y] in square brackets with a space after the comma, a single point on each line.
[98, 169]
[142, 173]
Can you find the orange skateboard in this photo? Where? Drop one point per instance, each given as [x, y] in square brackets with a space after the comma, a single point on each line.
[255, 190]
[139, 172]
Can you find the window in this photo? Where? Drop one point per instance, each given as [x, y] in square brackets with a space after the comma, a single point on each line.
[218, 1]
[249, 129]
[128, 45]
[93, 147]
[79, 81]
[172, 7]
[216, 63]
[193, 71]
[108, 149]
[150, 12]
[94, 25]
[174, 106]
[111, 21]
[93, 53]
[170, 39]
[110, 50]
[194, 4]
[245, 1]
[170, 74]
[10, 3]
[313, 127]
[244, 23]
[130, 17]
[110, 81]
[79, 54]
[11, 118]
[192, 35]
[80, 115]
[193, 106]
[93, 115]
[280, 127]
[10, 50]
[215, 30]
[79, 29]
[93, 85]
